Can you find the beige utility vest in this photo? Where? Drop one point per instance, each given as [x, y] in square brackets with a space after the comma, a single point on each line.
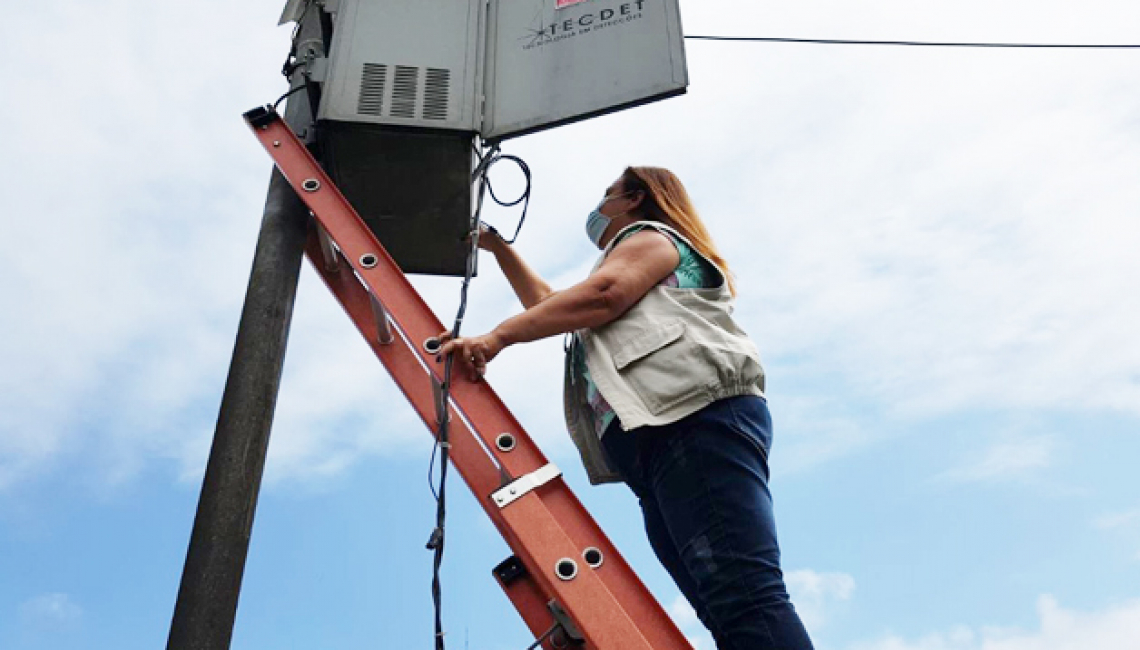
[673, 353]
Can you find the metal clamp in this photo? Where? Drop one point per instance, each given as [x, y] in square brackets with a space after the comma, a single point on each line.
[442, 408]
[526, 484]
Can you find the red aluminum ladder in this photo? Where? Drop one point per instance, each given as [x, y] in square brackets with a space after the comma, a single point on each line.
[564, 570]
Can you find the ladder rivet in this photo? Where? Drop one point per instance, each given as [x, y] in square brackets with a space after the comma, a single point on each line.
[433, 345]
[277, 143]
[368, 260]
[566, 569]
[505, 442]
[593, 557]
[311, 185]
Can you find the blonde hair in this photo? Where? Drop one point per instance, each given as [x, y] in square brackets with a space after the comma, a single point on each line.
[667, 201]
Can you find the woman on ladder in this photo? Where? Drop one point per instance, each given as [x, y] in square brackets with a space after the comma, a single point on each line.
[664, 391]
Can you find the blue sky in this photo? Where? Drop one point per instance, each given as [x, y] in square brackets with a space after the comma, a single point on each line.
[936, 253]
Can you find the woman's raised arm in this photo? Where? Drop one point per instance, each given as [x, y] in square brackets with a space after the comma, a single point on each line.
[529, 287]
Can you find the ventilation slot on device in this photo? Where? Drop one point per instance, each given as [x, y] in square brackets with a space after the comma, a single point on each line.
[372, 82]
[437, 90]
[404, 89]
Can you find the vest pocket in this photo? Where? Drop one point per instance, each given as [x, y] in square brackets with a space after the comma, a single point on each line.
[647, 343]
[652, 366]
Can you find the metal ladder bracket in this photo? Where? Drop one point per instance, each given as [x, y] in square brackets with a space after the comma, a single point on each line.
[570, 632]
[525, 484]
[443, 413]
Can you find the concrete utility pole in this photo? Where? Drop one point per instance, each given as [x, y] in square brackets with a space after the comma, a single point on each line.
[219, 543]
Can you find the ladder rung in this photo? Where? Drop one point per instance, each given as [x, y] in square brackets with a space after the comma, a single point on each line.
[383, 325]
[329, 253]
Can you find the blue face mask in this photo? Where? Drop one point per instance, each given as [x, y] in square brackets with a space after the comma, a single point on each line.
[597, 222]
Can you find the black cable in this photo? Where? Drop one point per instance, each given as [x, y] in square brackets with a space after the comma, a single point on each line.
[545, 635]
[443, 444]
[490, 160]
[442, 447]
[291, 92]
[436, 542]
[834, 41]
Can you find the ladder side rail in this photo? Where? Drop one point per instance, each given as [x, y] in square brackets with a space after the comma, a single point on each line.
[476, 400]
[531, 531]
[404, 304]
[619, 577]
[477, 469]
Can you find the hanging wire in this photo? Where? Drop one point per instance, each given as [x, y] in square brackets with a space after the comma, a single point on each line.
[289, 93]
[489, 160]
[835, 41]
[545, 635]
[442, 448]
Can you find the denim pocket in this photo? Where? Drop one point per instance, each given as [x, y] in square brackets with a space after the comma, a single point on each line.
[751, 420]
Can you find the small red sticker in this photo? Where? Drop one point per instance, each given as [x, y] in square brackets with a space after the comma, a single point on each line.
[562, 4]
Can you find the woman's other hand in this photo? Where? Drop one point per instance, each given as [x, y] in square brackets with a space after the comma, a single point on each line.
[489, 239]
[472, 353]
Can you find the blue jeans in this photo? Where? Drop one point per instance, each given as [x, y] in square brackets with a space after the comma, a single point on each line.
[703, 487]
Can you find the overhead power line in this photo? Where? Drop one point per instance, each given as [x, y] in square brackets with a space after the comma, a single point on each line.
[835, 41]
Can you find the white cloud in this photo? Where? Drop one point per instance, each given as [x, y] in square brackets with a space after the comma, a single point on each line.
[810, 429]
[814, 594]
[1117, 519]
[1115, 628]
[1123, 523]
[50, 609]
[965, 284]
[686, 619]
[125, 256]
[1006, 460]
